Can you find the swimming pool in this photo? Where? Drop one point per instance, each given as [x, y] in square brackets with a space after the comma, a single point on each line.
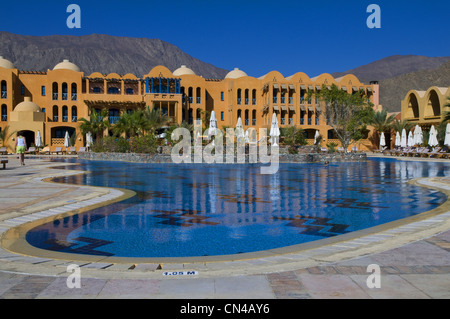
[185, 210]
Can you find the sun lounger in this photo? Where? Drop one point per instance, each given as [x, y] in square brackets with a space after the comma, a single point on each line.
[57, 150]
[3, 150]
[416, 151]
[71, 150]
[4, 162]
[82, 150]
[45, 150]
[382, 150]
[31, 150]
[434, 152]
[340, 149]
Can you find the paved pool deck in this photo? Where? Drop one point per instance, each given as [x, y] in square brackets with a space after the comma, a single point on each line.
[413, 255]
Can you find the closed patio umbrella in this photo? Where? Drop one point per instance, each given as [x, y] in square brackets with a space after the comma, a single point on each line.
[432, 141]
[239, 129]
[38, 141]
[410, 139]
[316, 138]
[382, 140]
[403, 142]
[274, 130]
[212, 125]
[89, 140]
[447, 135]
[398, 139]
[66, 140]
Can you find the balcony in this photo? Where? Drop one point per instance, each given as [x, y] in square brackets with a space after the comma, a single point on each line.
[74, 118]
[55, 118]
[239, 101]
[302, 121]
[254, 122]
[283, 100]
[65, 118]
[246, 101]
[309, 121]
[291, 100]
[113, 119]
[302, 100]
[191, 99]
[199, 100]
[283, 121]
[4, 95]
[246, 121]
[275, 99]
[65, 96]
[55, 96]
[254, 101]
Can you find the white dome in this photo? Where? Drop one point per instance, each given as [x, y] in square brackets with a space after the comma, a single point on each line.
[6, 64]
[182, 71]
[67, 65]
[236, 73]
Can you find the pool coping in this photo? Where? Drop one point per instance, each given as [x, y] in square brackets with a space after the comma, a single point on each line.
[22, 257]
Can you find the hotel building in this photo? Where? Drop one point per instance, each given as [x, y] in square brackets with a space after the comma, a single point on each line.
[52, 102]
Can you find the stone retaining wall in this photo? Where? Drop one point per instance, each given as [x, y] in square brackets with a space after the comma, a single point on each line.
[283, 158]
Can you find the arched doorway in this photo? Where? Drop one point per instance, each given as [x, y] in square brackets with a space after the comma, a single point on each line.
[30, 137]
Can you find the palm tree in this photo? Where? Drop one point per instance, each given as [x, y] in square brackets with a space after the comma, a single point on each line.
[96, 124]
[381, 122]
[131, 124]
[4, 136]
[398, 126]
[155, 119]
[447, 113]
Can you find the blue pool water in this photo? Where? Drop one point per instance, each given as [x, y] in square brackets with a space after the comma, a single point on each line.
[205, 210]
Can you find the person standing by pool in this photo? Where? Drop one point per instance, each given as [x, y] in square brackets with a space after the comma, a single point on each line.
[21, 146]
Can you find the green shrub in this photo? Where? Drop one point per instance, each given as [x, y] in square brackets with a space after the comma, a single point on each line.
[332, 147]
[143, 144]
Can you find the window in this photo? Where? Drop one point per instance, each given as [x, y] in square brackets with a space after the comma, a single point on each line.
[221, 96]
[96, 89]
[3, 89]
[221, 116]
[43, 90]
[22, 89]
[129, 91]
[4, 113]
[74, 114]
[65, 113]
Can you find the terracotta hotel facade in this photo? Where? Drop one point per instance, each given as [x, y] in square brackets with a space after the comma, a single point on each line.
[52, 102]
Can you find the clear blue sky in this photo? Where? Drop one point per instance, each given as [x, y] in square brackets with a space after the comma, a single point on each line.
[255, 35]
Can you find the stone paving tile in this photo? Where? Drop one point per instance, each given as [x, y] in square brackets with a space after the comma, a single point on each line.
[332, 286]
[286, 285]
[90, 288]
[392, 287]
[202, 288]
[435, 286]
[254, 287]
[136, 289]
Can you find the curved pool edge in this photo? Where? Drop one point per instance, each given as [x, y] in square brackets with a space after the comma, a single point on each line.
[348, 246]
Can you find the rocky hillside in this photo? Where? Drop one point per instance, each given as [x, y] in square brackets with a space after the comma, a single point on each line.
[100, 53]
[399, 74]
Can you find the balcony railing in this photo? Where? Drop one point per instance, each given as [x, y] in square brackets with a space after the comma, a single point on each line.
[65, 96]
[55, 96]
[246, 101]
[291, 121]
[302, 121]
[254, 101]
[113, 119]
[4, 118]
[198, 100]
[55, 118]
[74, 118]
[191, 99]
[283, 121]
[309, 121]
[283, 100]
[239, 101]
[253, 121]
[4, 95]
[302, 100]
[291, 100]
[275, 100]
[246, 121]
[65, 118]
[74, 96]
